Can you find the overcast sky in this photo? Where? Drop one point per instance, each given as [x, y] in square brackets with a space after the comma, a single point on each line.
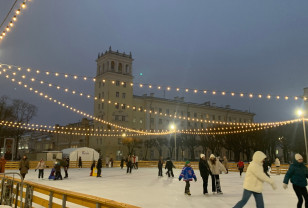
[242, 46]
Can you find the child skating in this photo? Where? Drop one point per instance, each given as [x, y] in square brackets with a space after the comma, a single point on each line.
[187, 174]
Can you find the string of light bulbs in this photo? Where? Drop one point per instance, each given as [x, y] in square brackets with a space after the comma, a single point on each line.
[148, 111]
[47, 97]
[10, 25]
[267, 96]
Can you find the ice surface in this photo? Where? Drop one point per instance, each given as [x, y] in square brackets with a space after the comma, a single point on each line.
[145, 189]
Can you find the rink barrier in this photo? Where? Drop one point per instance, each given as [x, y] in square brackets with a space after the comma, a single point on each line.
[46, 196]
[232, 166]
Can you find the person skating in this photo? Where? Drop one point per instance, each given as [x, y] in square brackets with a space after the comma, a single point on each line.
[277, 164]
[99, 167]
[253, 182]
[40, 166]
[204, 172]
[129, 164]
[136, 161]
[169, 166]
[187, 174]
[225, 163]
[298, 173]
[240, 166]
[160, 166]
[52, 174]
[92, 168]
[80, 162]
[24, 166]
[66, 167]
[216, 168]
[58, 170]
[122, 163]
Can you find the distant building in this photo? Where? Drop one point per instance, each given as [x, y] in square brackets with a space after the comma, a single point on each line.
[114, 83]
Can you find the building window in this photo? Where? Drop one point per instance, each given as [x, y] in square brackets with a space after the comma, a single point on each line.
[160, 110]
[240, 120]
[99, 106]
[123, 118]
[123, 106]
[103, 94]
[230, 118]
[213, 117]
[182, 113]
[120, 68]
[124, 84]
[99, 85]
[152, 121]
[160, 121]
[117, 106]
[116, 118]
[117, 94]
[112, 65]
[99, 95]
[123, 95]
[188, 124]
[188, 114]
[167, 111]
[202, 125]
[126, 69]
[196, 126]
[102, 105]
[195, 115]
[219, 118]
[117, 83]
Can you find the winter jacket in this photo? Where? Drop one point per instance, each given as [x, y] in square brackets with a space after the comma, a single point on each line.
[255, 176]
[216, 168]
[187, 174]
[99, 163]
[204, 168]
[169, 165]
[41, 165]
[297, 173]
[24, 166]
[80, 162]
[160, 163]
[240, 165]
[277, 162]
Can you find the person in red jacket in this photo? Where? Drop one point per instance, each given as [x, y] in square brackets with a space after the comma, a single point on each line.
[240, 166]
[2, 164]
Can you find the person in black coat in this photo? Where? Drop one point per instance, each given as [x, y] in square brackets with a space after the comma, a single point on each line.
[204, 172]
[160, 166]
[122, 163]
[99, 167]
[169, 165]
[129, 164]
[80, 163]
[66, 167]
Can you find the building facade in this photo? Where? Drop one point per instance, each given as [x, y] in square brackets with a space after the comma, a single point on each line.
[117, 104]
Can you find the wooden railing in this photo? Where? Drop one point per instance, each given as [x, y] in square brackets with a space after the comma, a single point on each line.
[36, 194]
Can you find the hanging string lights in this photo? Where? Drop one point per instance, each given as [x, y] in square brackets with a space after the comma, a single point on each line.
[11, 23]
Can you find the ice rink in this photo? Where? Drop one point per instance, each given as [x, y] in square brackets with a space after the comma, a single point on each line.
[145, 189]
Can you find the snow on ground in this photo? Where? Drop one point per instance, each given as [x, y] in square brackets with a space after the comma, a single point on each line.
[145, 189]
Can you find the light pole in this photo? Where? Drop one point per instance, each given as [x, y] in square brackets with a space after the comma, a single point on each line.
[174, 128]
[301, 114]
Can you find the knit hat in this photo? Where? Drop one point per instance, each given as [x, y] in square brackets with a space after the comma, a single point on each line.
[212, 156]
[202, 155]
[187, 162]
[298, 157]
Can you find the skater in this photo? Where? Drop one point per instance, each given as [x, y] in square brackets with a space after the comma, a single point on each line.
[240, 166]
[67, 160]
[187, 174]
[204, 172]
[129, 164]
[2, 164]
[80, 163]
[52, 174]
[266, 165]
[225, 164]
[160, 166]
[254, 179]
[41, 165]
[122, 163]
[216, 168]
[24, 166]
[99, 167]
[92, 168]
[111, 163]
[58, 170]
[298, 173]
[136, 161]
[277, 164]
[169, 165]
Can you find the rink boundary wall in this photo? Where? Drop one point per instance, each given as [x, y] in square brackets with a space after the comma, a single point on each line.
[143, 164]
[47, 196]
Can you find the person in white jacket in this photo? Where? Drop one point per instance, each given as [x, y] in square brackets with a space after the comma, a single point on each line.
[40, 166]
[254, 179]
[277, 164]
[216, 168]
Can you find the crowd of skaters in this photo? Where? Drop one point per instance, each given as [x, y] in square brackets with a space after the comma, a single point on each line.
[256, 174]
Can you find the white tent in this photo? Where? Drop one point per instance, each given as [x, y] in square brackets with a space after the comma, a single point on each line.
[86, 154]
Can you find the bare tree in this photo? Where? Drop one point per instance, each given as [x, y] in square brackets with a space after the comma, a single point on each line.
[131, 143]
[158, 143]
[191, 143]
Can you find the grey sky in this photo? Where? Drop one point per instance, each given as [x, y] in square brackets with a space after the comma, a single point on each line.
[249, 46]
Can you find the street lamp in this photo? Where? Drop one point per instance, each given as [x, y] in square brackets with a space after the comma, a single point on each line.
[300, 113]
[173, 127]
